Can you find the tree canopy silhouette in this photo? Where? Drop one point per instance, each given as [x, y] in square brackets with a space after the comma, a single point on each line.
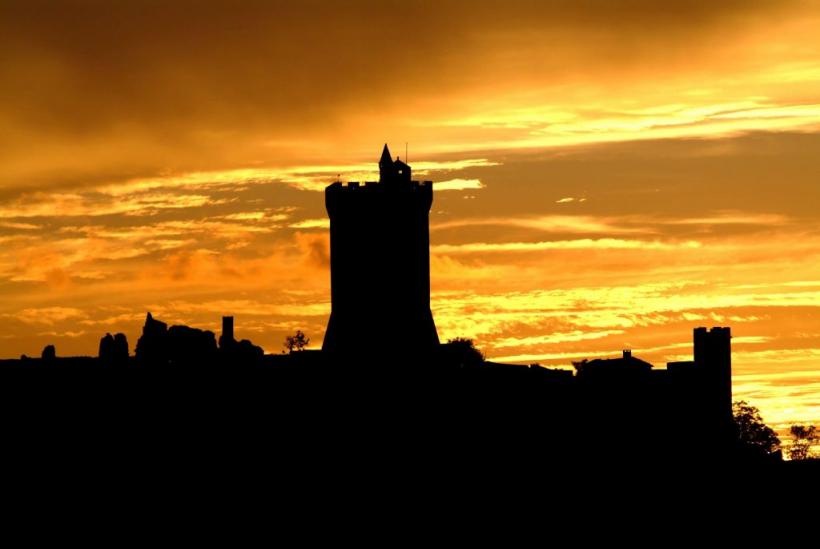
[803, 438]
[462, 351]
[296, 342]
[752, 433]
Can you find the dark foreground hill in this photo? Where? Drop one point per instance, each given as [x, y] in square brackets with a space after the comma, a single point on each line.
[353, 441]
[302, 407]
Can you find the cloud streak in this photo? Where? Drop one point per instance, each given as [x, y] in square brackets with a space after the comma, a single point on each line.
[579, 244]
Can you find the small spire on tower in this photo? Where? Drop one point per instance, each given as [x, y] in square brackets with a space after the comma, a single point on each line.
[386, 160]
[387, 170]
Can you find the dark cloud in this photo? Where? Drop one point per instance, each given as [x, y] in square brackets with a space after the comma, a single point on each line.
[107, 89]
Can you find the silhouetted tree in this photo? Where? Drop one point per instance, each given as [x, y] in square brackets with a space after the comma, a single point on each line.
[753, 434]
[296, 342]
[803, 438]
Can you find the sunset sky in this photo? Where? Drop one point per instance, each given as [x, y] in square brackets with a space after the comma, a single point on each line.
[608, 174]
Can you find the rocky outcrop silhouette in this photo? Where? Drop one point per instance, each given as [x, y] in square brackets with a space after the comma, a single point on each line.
[152, 346]
[239, 351]
[114, 349]
[49, 353]
[190, 346]
[177, 345]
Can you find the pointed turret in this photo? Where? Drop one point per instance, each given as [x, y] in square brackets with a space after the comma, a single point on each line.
[386, 159]
[387, 170]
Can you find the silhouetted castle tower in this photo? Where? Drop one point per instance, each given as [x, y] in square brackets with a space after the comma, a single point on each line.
[380, 264]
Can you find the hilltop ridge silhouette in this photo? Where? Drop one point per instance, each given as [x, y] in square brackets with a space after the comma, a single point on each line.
[407, 394]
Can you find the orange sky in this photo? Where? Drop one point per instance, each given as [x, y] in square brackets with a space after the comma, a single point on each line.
[610, 174]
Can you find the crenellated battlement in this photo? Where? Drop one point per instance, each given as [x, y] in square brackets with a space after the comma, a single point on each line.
[352, 186]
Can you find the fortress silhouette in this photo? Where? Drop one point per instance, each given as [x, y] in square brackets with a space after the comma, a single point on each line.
[380, 264]
[403, 388]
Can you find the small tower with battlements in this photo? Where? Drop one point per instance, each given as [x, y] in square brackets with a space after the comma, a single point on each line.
[713, 359]
[226, 339]
[380, 266]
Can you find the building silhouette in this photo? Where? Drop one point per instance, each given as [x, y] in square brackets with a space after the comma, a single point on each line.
[626, 366]
[380, 265]
[703, 386]
[685, 408]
